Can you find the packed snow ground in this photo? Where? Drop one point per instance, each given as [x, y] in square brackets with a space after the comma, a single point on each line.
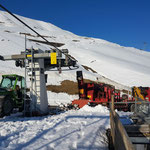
[83, 129]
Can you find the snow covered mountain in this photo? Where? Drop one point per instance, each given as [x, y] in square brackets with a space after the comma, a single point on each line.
[124, 65]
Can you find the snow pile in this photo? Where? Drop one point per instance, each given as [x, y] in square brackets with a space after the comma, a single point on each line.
[125, 117]
[60, 98]
[98, 108]
[124, 114]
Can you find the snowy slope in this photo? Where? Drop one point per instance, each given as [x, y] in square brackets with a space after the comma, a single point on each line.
[128, 66]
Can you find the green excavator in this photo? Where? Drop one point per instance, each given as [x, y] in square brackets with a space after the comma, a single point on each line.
[12, 89]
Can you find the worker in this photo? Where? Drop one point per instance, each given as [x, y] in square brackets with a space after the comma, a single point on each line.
[18, 91]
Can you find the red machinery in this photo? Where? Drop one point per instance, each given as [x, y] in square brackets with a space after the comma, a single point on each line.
[93, 94]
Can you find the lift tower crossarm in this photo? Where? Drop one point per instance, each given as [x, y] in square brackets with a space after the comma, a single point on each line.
[23, 56]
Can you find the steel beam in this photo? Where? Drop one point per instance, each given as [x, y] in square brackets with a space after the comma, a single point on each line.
[23, 56]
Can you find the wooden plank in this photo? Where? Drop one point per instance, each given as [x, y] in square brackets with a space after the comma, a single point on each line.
[120, 137]
[140, 140]
[55, 44]
[112, 103]
[145, 128]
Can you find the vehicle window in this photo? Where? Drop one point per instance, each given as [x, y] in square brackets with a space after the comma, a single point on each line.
[23, 82]
[6, 83]
[19, 83]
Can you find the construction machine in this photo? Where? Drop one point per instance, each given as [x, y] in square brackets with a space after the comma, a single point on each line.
[12, 89]
[100, 93]
[93, 93]
[141, 92]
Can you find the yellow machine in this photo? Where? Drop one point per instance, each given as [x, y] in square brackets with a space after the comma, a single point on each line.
[137, 92]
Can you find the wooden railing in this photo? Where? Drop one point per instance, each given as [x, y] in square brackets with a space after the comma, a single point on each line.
[121, 140]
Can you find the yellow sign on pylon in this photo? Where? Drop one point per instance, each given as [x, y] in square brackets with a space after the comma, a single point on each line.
[53, 58]
[29, 55]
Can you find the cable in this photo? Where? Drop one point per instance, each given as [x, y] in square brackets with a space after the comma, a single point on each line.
[23, 23]
[14, 22]
[34, 31]
[21, 28]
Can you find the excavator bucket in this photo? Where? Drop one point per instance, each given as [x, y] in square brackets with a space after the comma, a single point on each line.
[80, 103]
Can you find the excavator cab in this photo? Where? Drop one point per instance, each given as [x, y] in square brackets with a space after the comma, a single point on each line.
[10, 81]
[11, 93]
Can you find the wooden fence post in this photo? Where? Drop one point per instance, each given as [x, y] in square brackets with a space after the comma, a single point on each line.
[112, 103]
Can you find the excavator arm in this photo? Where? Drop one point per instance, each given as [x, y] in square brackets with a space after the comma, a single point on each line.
[137, 93]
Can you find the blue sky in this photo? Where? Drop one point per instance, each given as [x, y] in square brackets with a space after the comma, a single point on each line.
[125, 22]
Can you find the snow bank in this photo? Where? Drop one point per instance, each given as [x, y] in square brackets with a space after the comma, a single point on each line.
[98, 108]
[60, 98]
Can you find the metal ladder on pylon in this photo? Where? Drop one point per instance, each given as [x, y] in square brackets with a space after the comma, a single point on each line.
[27, 99]
[34, 69]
